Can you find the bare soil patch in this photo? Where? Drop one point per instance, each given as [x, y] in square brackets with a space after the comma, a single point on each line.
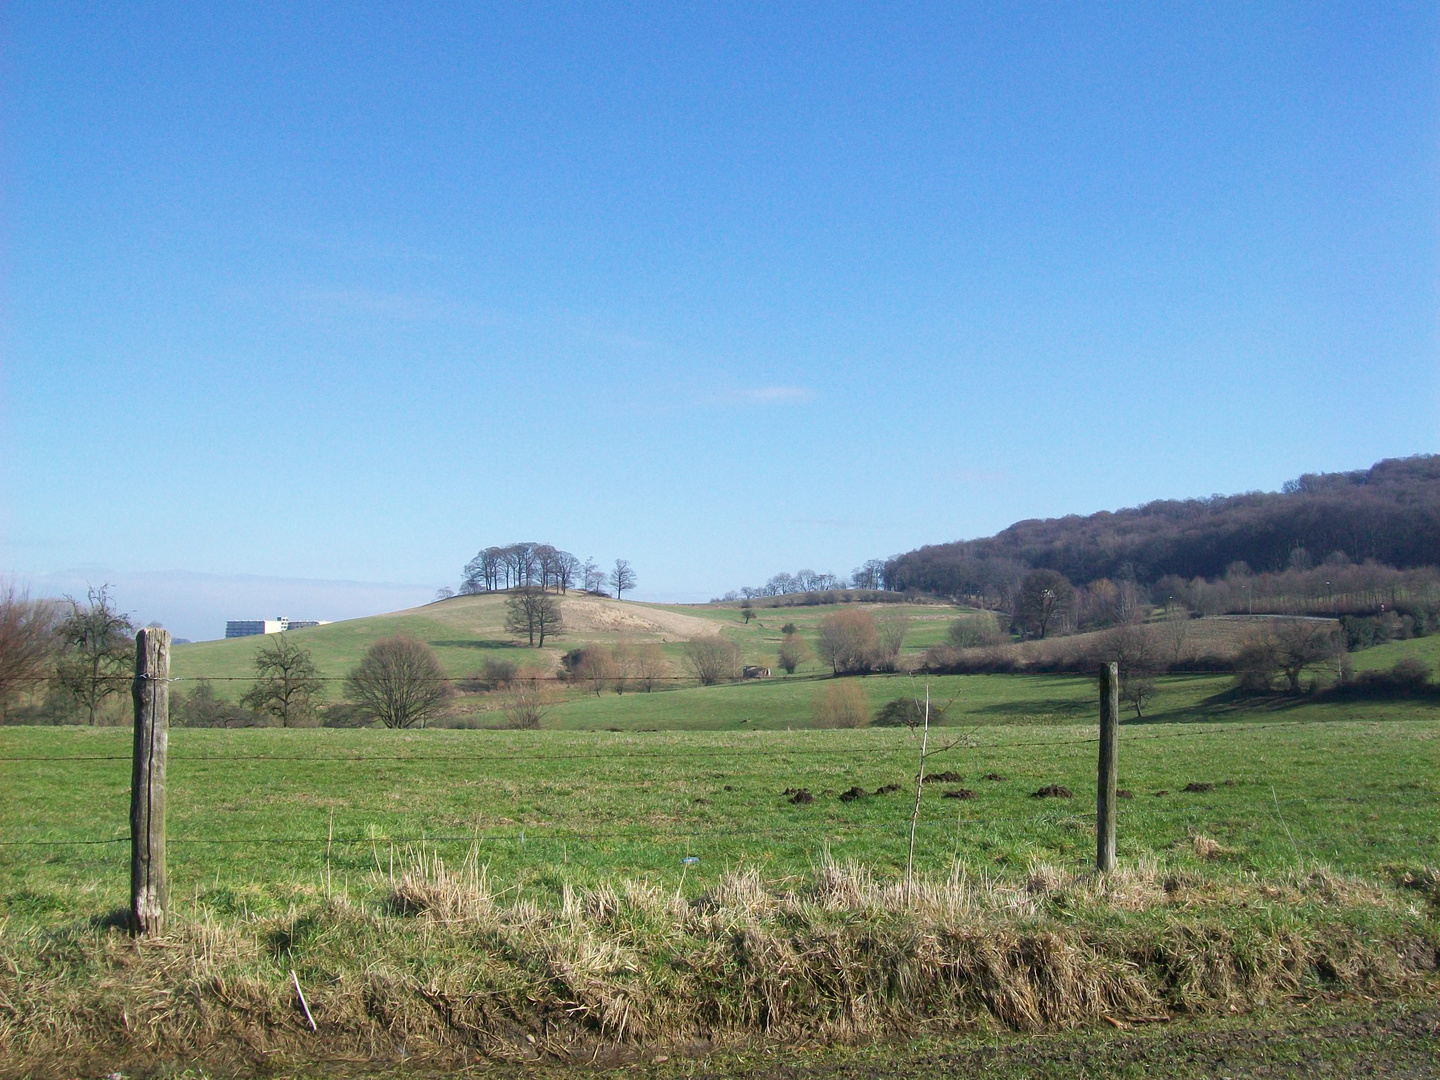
[947, 777]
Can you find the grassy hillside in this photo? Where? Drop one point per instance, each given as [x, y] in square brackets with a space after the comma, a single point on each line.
[465, 630]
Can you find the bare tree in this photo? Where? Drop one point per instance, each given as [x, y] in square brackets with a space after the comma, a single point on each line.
[594, 577]
[849, 641]
[1139, 652]
[286, 686]
[869, 575]
[398, 682]
[530, 700]
[27, 640]
[567, 571]
[712, 659]
[622, 665]
[593, 666]
[893, 627]
[547, 562]
[1175, 631]
[97, 654]
[1046, 599]
[651, 666]
[622, 577]
[533, 613]
[444, 593]
[1305, 644]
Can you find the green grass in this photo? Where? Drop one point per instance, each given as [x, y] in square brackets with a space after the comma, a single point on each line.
[1385, 656]
[1354, 785]
[281, 845]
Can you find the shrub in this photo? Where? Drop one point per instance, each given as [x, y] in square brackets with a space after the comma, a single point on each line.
[1409, 677]
[975, 631]
[788, 628]
[1256, 664]
[793, 653]
[902, 712]
[842, 704]
[1411, 674]
[203, 708]
[498, 674]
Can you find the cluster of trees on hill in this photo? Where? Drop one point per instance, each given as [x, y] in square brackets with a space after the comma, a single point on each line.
[868, 575]
[1388, 514]
[531, 565]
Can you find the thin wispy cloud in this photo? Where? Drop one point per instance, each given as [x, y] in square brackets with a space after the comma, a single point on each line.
[764, 396]
[403, 307]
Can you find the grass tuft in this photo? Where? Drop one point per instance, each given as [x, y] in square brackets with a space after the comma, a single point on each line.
[447, 966]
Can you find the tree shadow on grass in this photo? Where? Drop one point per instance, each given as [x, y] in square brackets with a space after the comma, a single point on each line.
[1228, 706]
[1036, 706]
[476, 643]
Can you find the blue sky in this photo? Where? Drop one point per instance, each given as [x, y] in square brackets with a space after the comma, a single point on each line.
[323, 299]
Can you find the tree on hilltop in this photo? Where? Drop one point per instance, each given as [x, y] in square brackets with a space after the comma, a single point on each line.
[622, 577]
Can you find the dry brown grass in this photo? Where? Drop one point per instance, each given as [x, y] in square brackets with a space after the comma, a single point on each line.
[450, 967]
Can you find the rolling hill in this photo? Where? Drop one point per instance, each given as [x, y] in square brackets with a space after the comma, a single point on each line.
[466, 630]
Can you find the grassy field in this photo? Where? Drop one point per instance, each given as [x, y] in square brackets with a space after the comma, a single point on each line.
[1353, 785]
[677, 874]
[629, 888]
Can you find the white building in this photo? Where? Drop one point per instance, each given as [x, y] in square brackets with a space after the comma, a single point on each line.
[255, 627]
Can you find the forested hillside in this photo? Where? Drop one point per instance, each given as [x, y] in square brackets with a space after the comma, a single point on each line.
[1389, 513]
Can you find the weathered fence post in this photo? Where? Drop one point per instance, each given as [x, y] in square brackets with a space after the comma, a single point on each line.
[151, 692]
[1105, 789]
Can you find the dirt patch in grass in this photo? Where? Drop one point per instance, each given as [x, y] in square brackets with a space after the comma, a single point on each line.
[853, 794]
[995, 776]
[799, 796]
[888, 789]
[947, 777]
[1053, 791]
[960, 793]
[1197, 787]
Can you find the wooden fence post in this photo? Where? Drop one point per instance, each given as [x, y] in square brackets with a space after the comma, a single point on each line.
[1105, 789]
[151, 692]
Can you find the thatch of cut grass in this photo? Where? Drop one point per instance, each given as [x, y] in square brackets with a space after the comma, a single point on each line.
[451, 967]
